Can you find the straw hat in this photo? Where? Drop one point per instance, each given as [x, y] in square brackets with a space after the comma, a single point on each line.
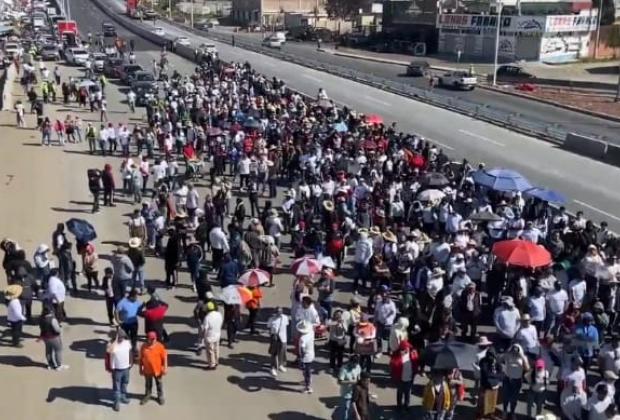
[135, 242]
[375, 230]
[304, 327]
[328, 205]
[362, 231]
[484, 341]
[390, 237]
[181, 214]
[437, 272]
[13, 291]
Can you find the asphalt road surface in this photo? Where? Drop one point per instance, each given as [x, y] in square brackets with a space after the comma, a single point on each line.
[531, 110]
[590, 184]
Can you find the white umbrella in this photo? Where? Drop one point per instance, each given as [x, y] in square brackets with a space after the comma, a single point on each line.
[431, 195]
[254, 278]
[87, 83]
[230, 295]
[327, 262]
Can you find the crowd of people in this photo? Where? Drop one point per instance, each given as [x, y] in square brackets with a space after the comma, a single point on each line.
[413, 238]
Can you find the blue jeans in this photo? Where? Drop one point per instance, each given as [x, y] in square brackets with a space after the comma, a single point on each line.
[138, 277]
[307, 371]
[361, 273]
[346, 408]
[120, 379]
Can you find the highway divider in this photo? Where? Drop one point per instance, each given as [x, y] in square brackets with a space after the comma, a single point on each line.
[593, 148]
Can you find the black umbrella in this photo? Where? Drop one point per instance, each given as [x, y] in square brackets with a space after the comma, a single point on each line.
[83, 230]
[485, 216]
[448, 355]
[435, 180]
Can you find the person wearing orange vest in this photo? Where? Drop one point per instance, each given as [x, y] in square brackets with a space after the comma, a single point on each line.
[253, 306]
[153, 366]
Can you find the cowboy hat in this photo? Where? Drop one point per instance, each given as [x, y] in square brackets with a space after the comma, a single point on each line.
[362, 231]
[437, 272]
[181, 214]
[13, 291]
[484, 341]
[135, 242]
[328, 205]
[273, 212]
[610, 374]
[304, 327]
[389, 236]
[375, 230]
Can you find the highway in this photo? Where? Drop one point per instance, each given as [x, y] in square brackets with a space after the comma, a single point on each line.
[590, 184]
[532, 110]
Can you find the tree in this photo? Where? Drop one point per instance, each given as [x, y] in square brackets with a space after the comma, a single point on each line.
[343, 9]
[608, 15]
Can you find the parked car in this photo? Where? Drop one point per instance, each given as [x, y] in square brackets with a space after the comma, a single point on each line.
[159, 31]
[512, 73]
[76, 56]
[183, 40]
[458, 80]
[208, 49]
[127, 71]
[145, 91]
[11, 49]
[142, 76]
[49, 52]
[112, 67]
[418, 68]
[98, 60]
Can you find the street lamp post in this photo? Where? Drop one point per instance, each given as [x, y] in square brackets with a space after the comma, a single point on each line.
[497, 29]
[170, 9]
[598, 28]
[191, 15]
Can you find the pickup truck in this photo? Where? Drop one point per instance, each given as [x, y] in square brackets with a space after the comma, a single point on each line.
[458, 80]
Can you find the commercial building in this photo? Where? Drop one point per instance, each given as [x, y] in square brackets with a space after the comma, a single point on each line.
[555, 38]
[272, 12]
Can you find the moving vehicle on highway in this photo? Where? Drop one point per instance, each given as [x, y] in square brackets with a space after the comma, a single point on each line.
[159, 31]
[142, 76]
[127, 71]
[108, 29]
[273, 42]
[513, 74]
[183, 40]
[98, 60]
[208, 49]
[112, 67]
[418, 69]
[49, 52]
[12, 49]
[458, 80]
[76, 56]
[145, 91]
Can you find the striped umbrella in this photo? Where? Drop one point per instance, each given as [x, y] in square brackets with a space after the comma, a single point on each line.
[254, 277]
[305, 266]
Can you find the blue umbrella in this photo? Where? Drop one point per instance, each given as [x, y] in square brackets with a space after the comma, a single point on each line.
[341, 127]
[83, 230]
[544, 194]
[500, 179]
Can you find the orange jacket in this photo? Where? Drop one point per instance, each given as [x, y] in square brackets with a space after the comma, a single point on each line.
[153, 359]
[257, 295]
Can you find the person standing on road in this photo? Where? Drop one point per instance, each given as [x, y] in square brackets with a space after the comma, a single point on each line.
[104, 110]
[15, 316]
[348, 376]
[108, 185]
[306, 352]
[212, 327]
[91, 137]
[153, 366]
[118, 362]
[50, 334]
[94, 185]
[127, 311]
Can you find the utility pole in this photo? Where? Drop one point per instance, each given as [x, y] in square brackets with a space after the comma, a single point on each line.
[617, 98]
[598, 28]
[191, 15]
[170, 9]
[497, 29]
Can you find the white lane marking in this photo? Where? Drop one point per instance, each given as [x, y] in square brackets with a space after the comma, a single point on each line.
[445, 146]
[604, 213]
[483, 138]
[314, 79]
[377, 101]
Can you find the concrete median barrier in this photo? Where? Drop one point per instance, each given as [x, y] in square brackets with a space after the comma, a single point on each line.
[612, 155]
[585, 146]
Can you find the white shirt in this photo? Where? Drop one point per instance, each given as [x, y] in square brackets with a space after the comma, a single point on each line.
[278, 325]
[597, 408]
[213, 326]
[56, 289]
[218, 239]
[306, 347]
[192, 199]
[181, 195]
[557, 301]
[528, 338]
[537, 308]
[120, 355]
[244, 166]
[159, 171]
[14, 311]
[578, 291]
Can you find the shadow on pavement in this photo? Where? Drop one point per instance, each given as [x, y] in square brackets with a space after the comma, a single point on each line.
[292, 415]
[258, 383]
[20, 361]
[61, 210]
[85, 395]
[93, 348]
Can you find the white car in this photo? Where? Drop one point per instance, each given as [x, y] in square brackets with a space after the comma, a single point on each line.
[208, 48]
[76, 56]
[183, 40]
[458, 80]
[273, 42]
[159, 31]
[98, 60]
[13, 48]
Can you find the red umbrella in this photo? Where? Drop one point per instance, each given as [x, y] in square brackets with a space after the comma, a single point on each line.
[374, 119]
[305, 266]
[522, 253]
[414, 160]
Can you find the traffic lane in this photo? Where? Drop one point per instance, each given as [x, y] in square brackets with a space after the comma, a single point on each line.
[462, 136]
[530, 109]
